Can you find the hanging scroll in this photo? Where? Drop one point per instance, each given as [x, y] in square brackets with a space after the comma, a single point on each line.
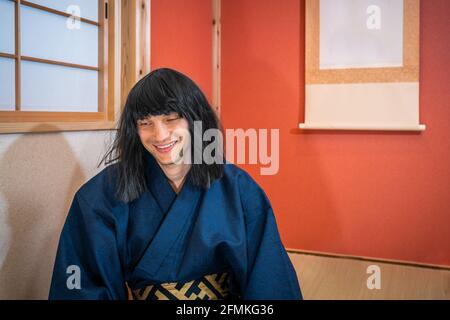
[362, 65]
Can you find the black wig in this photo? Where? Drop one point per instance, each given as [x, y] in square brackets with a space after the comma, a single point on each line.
[162, 91]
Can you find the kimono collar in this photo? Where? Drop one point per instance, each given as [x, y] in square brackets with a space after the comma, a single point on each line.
[178, 211]
[159, 186]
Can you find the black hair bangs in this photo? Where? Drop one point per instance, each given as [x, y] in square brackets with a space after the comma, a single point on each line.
[149, 98]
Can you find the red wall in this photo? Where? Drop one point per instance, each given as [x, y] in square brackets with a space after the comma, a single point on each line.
[384, 195]
[181, 39]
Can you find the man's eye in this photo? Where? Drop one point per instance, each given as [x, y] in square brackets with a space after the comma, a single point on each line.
[173, 119]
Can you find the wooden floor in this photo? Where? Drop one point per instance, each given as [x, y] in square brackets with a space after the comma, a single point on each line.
[340, 278]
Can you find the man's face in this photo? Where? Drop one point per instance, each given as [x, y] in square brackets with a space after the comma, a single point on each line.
[165, 136]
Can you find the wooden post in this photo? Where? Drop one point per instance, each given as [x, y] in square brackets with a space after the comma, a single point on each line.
[135, 55]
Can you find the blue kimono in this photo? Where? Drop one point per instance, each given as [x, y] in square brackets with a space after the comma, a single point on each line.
[218, 243]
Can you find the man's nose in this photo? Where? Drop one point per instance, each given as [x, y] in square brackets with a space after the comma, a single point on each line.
[161, 132]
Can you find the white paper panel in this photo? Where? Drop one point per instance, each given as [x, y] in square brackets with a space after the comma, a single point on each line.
[361, 33]
[7, 42]
[7, 84]
[48, 87]
[48, 36]
[372, 105]
[84, 8]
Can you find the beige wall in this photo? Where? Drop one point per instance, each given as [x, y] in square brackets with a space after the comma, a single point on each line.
[39, 174]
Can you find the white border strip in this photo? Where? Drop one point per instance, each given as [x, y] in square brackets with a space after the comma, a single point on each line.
[323, 126]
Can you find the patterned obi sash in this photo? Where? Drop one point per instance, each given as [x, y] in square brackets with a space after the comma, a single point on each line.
[210, 287]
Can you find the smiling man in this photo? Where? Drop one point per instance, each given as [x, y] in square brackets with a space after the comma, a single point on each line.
[153, 225]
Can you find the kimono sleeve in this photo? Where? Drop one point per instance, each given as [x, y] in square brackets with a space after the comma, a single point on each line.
[270, 273]
[87, 264]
